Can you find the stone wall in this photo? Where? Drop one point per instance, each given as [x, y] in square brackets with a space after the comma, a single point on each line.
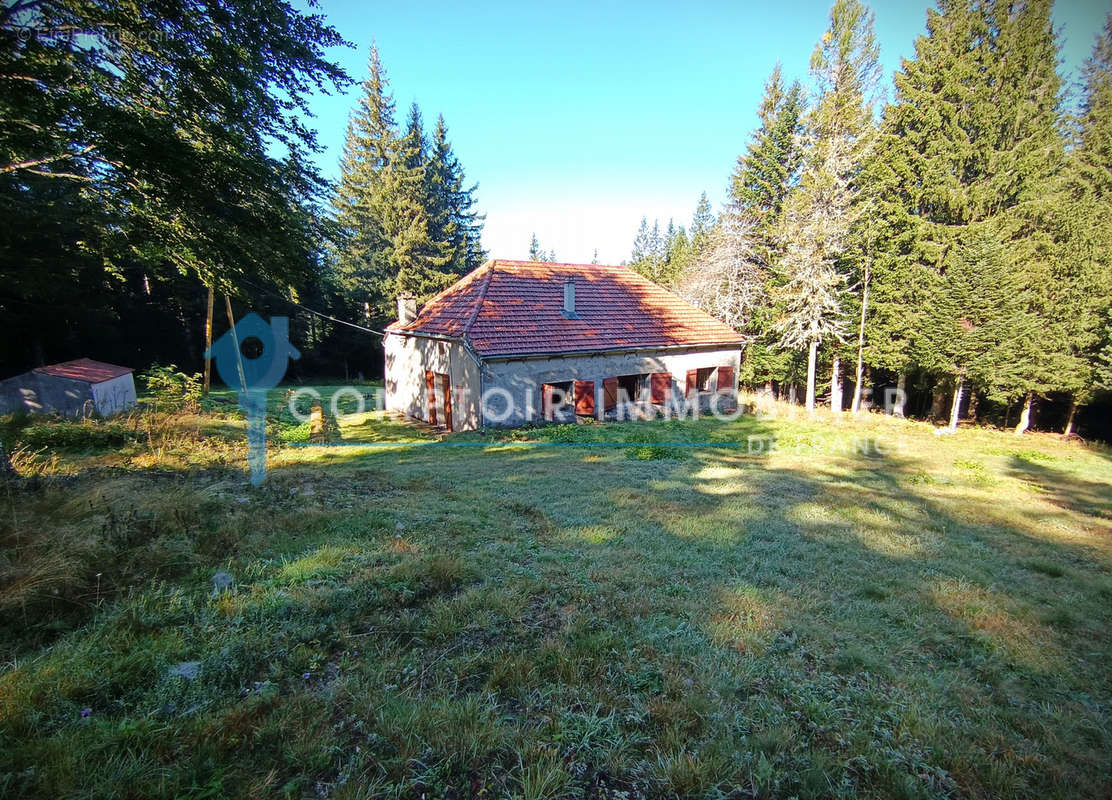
[521, 379]
[407, 359]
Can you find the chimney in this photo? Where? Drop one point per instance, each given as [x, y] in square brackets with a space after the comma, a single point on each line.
[407, 308]
[569, 298]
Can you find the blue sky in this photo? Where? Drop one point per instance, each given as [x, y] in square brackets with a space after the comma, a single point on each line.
[578, 118]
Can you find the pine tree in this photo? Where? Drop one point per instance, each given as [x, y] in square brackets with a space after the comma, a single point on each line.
[819, 217]
[415, 137]
[1083, 272]
[766, 171]
[381, 205]
[981, 321]
[761, 180]
[678, 252]
[702, 222]
[452, 215]
[650, 252]
[535, 252]
[972, 147]
[931, 149]
[1028, 163]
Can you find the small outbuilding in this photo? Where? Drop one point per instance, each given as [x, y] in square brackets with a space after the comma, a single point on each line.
[73, 388]
[516, 342]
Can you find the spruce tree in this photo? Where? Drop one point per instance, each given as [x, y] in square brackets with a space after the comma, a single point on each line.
[382, 205]
[1083, 261]
[702, 222]
[766, 171]
[415, 137]
[764, 175]
[981, 321]
[930, 151]
[452, 215]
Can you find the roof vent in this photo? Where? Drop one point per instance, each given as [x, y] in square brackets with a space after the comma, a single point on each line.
[569, 299]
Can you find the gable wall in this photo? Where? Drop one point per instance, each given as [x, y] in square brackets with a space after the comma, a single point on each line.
[407, 358]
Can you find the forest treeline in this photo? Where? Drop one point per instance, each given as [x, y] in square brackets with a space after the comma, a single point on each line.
[954, 242]
[150, 153]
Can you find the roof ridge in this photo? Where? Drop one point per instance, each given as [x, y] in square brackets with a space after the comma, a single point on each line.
[527, 262]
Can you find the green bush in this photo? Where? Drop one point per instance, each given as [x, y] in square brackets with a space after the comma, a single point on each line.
[295, 433]
[75, 435]
[171, 390]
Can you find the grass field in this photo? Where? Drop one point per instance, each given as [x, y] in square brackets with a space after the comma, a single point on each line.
[868, 610]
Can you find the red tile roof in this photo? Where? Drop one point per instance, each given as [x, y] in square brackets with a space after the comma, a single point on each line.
[515, 308]
[84, 369]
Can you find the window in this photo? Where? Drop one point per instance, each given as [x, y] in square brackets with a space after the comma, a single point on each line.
[556, 400]
[699, 380]
[629, 387]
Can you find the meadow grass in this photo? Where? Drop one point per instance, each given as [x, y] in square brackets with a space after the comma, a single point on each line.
[864, 610]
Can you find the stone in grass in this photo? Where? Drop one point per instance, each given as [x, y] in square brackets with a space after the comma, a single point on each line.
[222, 582]
[186, 669]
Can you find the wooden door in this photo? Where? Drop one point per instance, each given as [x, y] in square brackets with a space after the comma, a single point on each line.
[609, 394]
[430, 396]
[446, 391]
[584, 398]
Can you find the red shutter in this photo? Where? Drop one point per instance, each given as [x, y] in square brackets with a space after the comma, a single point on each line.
[692, 382]
[546, 401]
[726, 380]
[661, 386]
[585, 398]
[610, 394]
[430, 394]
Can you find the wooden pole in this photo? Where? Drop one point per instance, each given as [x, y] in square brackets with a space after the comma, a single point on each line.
[208, 342]
[235, 343]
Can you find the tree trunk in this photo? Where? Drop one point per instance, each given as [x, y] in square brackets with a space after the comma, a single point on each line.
[836, 386]
[859, 375]
[208, 343]
[937, 399]
[235, 343]
[901, 395]
[1025, 414]
[812, 357]
[974, 402]
[1069, 420]
[793, 394]
[956, 407]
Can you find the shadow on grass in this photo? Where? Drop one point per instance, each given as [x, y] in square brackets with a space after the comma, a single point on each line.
[742, 626]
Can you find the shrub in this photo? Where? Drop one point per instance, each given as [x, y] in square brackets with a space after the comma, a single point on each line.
[172, 390]
[75, 435]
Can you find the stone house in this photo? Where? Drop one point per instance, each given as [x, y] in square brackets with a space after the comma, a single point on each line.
[516, 342]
